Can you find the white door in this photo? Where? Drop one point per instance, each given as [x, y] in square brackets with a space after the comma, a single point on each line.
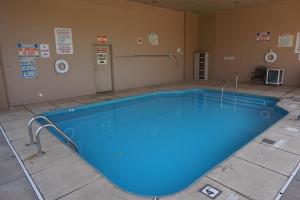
[102, 67]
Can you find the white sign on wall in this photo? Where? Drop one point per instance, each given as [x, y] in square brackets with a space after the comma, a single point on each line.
[101, 56]
[63, 40]
[153, 38]
[44, 51]
[286, 40]
[297, 46]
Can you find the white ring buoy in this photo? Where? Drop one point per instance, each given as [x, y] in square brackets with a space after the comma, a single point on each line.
[61, 66]
[270, 56]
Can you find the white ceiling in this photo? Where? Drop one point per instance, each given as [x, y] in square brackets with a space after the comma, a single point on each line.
[203, 6]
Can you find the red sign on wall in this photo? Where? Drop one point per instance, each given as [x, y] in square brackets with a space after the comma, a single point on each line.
[102, 39]
[28, 49]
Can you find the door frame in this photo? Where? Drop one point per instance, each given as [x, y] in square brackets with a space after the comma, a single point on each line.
[111, 63]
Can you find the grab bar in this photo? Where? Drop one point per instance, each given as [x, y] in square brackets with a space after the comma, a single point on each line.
[37, 134]
[38, 141]
[29, 126]
[236, 77]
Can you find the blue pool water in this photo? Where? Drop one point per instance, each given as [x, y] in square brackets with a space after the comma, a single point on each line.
[160, 143]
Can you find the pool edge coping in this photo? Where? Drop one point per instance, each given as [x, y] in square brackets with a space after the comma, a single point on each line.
[231, 154]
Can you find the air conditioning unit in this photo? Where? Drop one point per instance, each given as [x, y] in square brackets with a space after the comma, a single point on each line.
[275, 76]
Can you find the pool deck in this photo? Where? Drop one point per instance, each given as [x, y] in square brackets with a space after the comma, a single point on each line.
[257, 171]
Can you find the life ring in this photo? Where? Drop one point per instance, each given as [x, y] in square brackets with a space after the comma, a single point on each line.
[270, 56]
[61, 66]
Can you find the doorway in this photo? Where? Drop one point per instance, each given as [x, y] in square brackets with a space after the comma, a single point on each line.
[103, 67]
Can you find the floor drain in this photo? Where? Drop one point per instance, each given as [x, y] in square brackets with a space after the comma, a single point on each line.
[268, 141]
[210, 191]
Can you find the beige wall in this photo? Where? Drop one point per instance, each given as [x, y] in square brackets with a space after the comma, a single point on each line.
[236, 34]
[207, 40]
[192, 33]
[228, 33]
[33, 21]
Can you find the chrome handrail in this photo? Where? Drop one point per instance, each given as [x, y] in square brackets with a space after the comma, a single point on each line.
[236, 78]
[29, 126]
[38, 141]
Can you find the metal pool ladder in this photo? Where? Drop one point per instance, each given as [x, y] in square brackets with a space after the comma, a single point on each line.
[228, 83]
[48, 124]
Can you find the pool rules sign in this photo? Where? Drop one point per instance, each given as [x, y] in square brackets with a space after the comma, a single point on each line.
[101, 56]
[28, 67]
[63, 40]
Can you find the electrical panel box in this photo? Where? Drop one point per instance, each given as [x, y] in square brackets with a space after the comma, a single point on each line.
[201, 66]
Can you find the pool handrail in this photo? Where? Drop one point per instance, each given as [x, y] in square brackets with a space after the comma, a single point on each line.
[37, 133]
[227, 84]
[29, 126]
[38, 141]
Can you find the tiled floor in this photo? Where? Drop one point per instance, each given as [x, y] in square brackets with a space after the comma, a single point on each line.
[257, 171]
[13, 183]
[293, 193]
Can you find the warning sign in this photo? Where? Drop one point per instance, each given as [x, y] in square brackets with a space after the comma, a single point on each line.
[210, 191]
[28, 67]
[28, 49]
[101, 56]
[263, 36]
[102, 39]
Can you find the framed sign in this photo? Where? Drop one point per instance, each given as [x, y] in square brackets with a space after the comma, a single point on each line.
[153, 38]
[63, 40]
[285, 40]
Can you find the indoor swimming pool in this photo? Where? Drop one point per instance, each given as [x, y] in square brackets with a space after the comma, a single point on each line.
[160, 143]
